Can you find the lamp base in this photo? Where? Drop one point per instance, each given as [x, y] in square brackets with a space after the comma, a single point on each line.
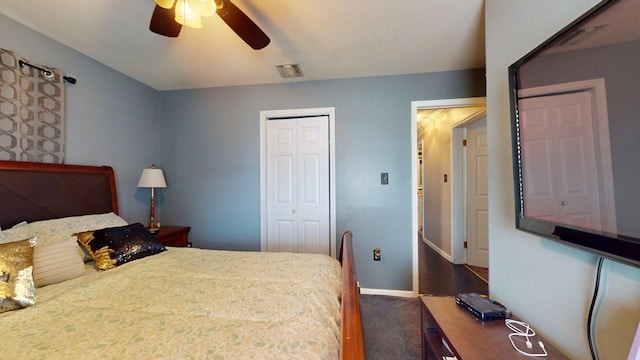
[153, 228]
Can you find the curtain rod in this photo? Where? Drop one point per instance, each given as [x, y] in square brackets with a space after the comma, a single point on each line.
[46, 72]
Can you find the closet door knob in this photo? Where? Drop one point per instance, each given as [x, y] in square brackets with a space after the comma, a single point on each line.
[293, 211]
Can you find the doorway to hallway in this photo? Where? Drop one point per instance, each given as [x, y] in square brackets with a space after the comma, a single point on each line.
[442, 126]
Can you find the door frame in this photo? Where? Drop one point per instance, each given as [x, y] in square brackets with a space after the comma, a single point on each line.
[415, 106]
[267, 115]
[420, 175]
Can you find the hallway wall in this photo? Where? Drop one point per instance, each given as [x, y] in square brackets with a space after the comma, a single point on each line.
[437, 193]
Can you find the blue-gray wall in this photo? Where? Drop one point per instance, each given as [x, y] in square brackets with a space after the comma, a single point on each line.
[111, 118]
[210, 154]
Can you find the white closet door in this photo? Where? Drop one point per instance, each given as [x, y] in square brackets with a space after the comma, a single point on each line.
[282, 185]
[298, 185]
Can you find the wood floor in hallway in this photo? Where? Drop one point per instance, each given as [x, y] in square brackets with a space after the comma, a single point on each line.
[440, 277]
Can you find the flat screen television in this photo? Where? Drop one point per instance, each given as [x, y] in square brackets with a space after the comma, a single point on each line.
[575, 111]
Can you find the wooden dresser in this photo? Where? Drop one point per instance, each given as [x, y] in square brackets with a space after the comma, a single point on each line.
[450, 330]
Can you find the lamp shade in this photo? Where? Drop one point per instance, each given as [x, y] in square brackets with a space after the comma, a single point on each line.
[167, 4]
[186, 16]
[203, 8]
[152, 178]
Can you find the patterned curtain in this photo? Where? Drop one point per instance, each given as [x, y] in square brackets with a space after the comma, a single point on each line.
[32, 119]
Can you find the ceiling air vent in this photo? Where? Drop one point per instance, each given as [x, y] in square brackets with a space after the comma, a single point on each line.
[289, 70]
[580, 35]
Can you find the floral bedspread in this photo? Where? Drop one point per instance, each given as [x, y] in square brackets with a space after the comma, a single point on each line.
[186, 303]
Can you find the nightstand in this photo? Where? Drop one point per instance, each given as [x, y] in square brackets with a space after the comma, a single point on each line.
[177, 236]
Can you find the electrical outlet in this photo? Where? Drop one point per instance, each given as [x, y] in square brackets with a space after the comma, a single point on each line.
[377, 254]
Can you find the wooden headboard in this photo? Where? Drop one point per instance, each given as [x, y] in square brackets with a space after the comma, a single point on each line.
[37, 191]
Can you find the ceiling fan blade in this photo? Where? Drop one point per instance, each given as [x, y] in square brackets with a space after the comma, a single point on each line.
[163, 22]
[239, 22]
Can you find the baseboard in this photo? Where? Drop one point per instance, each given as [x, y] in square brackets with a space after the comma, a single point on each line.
[438, 250]
[397, 293]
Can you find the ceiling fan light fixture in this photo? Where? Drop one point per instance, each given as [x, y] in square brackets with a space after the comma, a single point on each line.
[203, 8]
[165, 4]
[186, 16]
[289, 70]
[169, 21]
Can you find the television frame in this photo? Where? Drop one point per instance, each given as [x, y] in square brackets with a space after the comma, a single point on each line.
[618, 247]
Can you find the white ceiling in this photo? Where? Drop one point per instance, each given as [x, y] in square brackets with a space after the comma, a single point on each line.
[330, 39]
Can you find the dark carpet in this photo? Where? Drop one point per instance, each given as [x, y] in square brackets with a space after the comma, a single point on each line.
[391, 327]
[392, 324]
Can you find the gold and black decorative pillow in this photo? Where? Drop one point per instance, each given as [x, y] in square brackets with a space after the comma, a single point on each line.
[115, 246]
[16, 275]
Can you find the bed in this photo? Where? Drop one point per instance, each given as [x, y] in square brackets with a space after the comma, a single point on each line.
[167, 303]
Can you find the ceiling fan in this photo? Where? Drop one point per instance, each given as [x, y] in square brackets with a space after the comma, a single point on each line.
[170, 15]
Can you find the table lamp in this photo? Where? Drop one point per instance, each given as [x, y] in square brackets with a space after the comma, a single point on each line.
[152, 178]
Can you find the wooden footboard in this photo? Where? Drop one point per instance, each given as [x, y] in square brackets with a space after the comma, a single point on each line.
[352, 343]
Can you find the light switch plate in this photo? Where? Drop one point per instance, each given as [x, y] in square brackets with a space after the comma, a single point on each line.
[384, 178]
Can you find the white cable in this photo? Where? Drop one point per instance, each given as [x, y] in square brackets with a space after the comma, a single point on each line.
[523, 330]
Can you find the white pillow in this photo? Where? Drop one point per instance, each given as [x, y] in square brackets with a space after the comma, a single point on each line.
[19, 224]
[58, 230]
[57, 262]
[4, 238]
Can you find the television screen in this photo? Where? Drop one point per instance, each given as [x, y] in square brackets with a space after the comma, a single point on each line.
[575, 109]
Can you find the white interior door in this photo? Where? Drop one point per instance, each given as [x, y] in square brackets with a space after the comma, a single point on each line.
[477, 195]
[298, 206]
[282, 183]
[560, 168]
